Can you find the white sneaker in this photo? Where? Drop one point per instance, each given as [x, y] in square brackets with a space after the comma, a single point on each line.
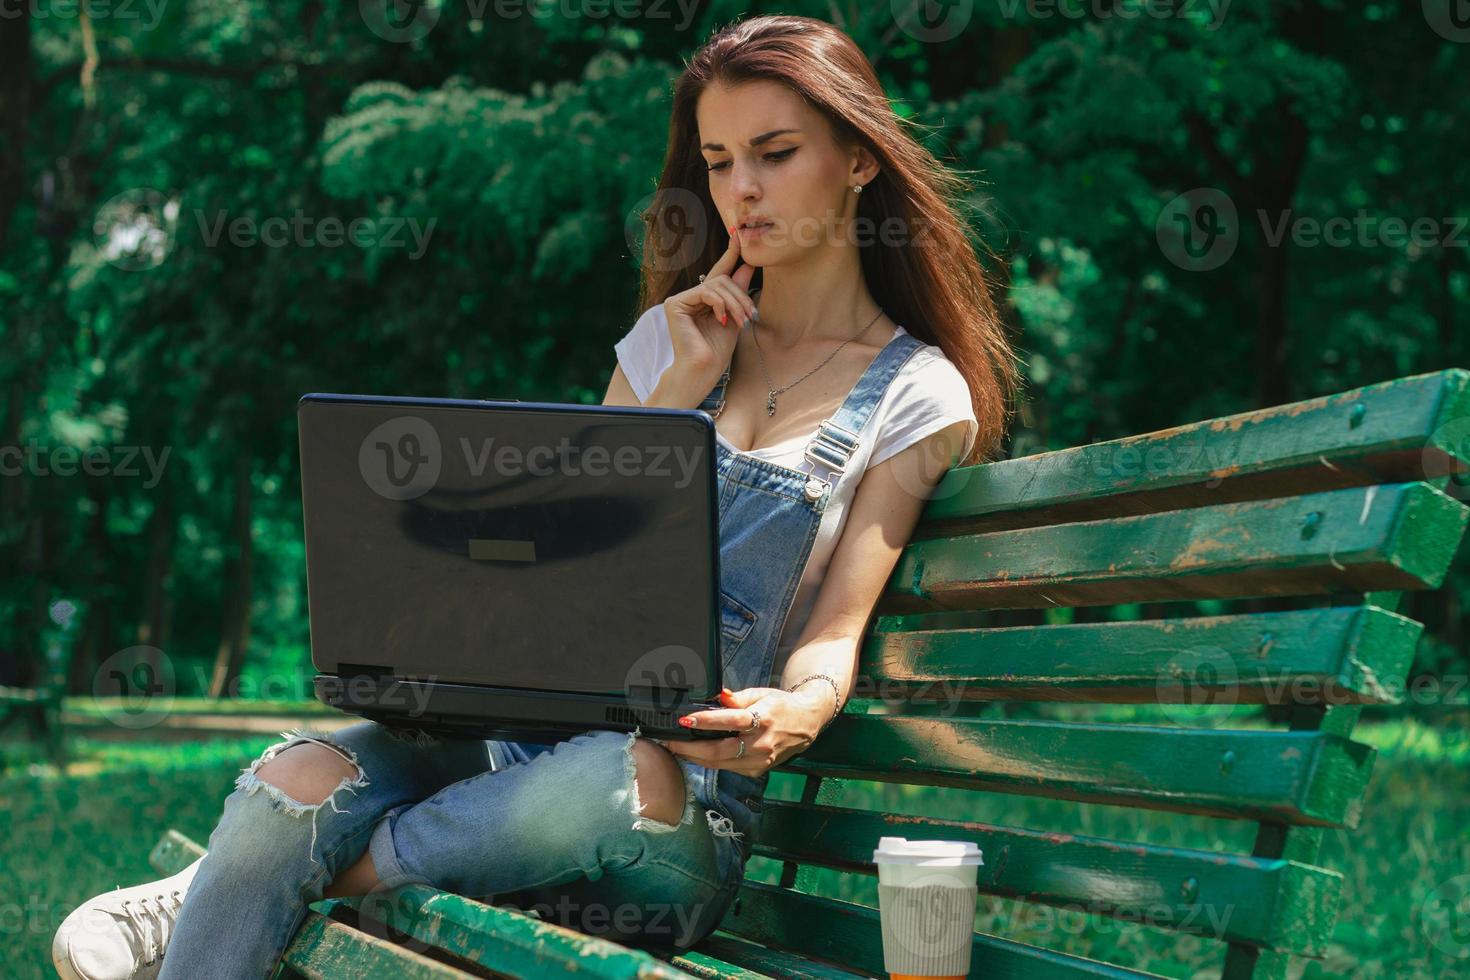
[121, 934]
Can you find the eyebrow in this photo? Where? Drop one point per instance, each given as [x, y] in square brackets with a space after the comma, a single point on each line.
[757, 141]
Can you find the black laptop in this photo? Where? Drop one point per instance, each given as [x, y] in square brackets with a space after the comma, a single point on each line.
[508, 569]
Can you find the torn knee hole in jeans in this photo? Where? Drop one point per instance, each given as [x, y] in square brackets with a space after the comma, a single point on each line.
[720, 825]
[251, 783]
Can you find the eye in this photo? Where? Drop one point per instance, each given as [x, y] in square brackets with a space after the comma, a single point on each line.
[775, 157]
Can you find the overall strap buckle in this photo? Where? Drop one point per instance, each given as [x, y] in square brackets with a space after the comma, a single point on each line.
[832, 446]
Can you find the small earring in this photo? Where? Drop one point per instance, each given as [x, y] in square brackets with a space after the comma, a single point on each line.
[857, 188]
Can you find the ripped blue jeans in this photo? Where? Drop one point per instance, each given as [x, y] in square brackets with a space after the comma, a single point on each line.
[553, 829]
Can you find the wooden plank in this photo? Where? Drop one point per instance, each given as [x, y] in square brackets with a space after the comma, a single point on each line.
[843, 932]
[505, 939]
[1338, 655]
[1280, 777]
[174, 852]
[1249, 899]
[728, 957]
[1394, 536]
[324, 949]
[1392, 432]
[28, 695]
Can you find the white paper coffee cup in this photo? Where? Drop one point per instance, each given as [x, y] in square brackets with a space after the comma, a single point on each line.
[926, 904]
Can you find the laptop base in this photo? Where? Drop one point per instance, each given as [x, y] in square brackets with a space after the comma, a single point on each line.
[478, 711]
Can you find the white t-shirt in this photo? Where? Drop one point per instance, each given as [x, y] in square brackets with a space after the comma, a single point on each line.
[926, 395]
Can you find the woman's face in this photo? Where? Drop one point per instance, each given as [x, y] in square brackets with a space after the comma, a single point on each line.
[797, 178]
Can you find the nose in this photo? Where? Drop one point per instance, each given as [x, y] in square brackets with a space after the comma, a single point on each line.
[743, 184]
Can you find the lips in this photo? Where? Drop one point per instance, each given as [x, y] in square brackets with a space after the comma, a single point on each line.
[749, 223]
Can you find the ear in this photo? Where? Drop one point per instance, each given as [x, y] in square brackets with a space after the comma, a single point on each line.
[863, 166]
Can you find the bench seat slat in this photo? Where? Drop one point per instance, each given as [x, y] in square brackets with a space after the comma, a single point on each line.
[1389, 537]
[729, 957]
[843, 932]
[324, 948]
[1285, 777]
[1390, 432]
[1260, 901]
[1338, 654]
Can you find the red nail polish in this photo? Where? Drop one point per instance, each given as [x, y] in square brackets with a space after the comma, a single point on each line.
[686, 721]
[722, 318]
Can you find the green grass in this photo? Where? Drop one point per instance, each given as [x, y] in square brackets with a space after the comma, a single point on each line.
[64, 838]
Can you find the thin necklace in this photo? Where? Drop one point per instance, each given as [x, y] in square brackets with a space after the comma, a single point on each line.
[773, 392]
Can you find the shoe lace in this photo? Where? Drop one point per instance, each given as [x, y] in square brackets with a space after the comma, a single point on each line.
[144, 920]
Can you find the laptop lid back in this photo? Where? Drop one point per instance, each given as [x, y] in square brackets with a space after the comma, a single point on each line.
[527, 545]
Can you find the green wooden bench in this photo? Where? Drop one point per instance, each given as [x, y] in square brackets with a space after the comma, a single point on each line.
[1270, 549]
[40, 706]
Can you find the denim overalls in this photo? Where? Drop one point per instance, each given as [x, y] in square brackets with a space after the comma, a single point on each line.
[492, 818]
[769, 516]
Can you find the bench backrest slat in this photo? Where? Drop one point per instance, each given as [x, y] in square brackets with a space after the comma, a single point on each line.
[1338, 653]
[1391, 536]
[1284, 777]
[1396, 431]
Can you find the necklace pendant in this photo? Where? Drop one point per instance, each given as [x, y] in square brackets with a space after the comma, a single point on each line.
[771, 403]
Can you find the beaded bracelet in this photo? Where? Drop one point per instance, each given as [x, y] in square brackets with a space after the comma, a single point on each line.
[836, 697]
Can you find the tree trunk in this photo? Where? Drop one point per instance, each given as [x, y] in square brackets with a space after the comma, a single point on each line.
[15, 110]
[235, 630]
[158, 574]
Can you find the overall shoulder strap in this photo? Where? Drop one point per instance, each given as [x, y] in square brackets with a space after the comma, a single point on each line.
[839, 436]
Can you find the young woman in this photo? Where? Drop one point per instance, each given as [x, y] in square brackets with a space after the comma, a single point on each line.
[868, 360]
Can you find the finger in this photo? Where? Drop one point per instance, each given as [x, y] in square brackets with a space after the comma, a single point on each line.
[733, 719]
[725, 264]
[738, 301]
[705, 751]
[743, 275]
[723, 306]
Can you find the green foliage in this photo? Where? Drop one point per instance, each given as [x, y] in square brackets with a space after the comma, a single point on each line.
[521, 148]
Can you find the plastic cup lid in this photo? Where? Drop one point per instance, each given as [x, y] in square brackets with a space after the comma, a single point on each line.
[901, 850]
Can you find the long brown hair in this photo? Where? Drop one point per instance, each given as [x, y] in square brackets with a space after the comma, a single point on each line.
[939, 292]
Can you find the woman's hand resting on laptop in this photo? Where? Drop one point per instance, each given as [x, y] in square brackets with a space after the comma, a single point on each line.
[789, 723]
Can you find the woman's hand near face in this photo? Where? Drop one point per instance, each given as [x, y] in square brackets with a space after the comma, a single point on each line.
[704, 320]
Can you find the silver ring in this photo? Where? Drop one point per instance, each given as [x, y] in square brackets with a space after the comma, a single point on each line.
[755, 721]
[741, 750]
[701, 278]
